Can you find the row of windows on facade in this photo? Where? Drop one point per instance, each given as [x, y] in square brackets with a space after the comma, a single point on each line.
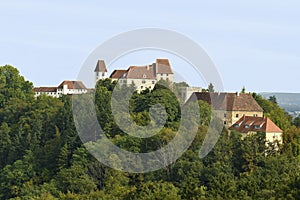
[103, 74]
[144, 75]
[237, 115]
[59, 90]
[143, 81]
[248, 126]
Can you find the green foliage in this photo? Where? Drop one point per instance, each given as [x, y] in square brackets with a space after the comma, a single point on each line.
[42, 157]
[211, 88]
[12, 85]
[273, 111]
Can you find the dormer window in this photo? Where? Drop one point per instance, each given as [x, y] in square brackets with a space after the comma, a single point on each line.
[236, 125]
[247, 126]
[144, 76]
[257, 127]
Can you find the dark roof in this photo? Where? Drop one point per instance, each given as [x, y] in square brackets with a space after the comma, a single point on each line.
[255, 124]
[163, 66]
[72, 85]
[229, 101]
[140, 72]
[45, 89]
[100, 66]
[117, 73]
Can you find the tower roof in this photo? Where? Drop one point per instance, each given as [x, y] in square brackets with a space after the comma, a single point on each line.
[163, 66]
[100, 66]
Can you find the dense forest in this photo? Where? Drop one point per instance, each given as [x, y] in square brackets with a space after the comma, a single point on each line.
[42, 156]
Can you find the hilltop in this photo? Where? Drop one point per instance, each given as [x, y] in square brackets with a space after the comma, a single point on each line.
[289, 101]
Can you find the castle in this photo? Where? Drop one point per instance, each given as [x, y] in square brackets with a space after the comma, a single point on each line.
[239, 111]
[141, 77]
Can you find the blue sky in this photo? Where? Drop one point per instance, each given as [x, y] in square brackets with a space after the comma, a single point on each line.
[255, 44]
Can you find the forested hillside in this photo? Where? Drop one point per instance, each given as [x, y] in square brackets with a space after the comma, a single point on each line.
[42, 157]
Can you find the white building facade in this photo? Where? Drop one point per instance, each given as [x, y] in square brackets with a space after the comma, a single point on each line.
[65, 88]
[100, 71]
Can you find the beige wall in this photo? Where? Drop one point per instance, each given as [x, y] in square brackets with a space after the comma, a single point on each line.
[166, 77]
[231, 116]
[272, 137]
[140, 84]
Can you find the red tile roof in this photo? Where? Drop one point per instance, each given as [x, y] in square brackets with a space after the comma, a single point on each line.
[141, 72]
[117, 74]
[161, 66]
[100, 66]
[72, 85]
[229, 101]
[255, 124]
[45, 89]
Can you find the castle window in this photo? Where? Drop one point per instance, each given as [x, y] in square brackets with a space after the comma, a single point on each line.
[153, 82]
[167, 74]
[143, 81]
[103, 74]
[225, 122]
[161, 74]
[255, 115]
[141, 87]
[225, 115]
[237, 115]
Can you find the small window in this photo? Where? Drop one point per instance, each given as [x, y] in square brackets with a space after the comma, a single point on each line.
[153, 82]
[247, 126]
[257, 127]
[237, 115]
[144, 76]
[141, 87]
[143, 81]
[225, 115]
[161, 74]
[225, 122]
[167, 74]
[103, 74]
[255, 115]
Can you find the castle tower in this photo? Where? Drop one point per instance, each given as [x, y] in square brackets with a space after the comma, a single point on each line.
[100, 71]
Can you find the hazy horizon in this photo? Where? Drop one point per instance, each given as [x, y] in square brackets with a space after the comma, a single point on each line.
[253, 44]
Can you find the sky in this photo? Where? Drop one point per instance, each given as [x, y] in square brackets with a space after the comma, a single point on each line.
[255, 44]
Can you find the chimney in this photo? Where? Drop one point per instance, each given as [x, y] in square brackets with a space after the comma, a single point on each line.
[237, 94]
[148, 67]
